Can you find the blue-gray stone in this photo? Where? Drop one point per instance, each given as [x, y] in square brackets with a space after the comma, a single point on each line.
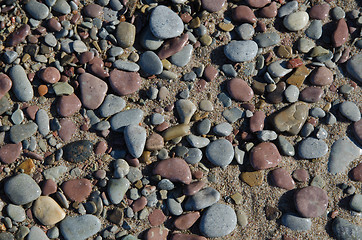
[193, 156]
[245, 31]
[101, 126]
[197, 142]
[21, 85]
[311, 148]
[21, 132]
[174, 206]
[307, 129]
[220, 152]
[122, 119]
[116, 5]
[321, 133]
[218, 221]
[36, 233]
[157, 119]
[204, 126]
[150, 63]
[115, 51]
[165, 184]
[317, 112]
[356, 203]
[80, 227]
[10, 56]
[37, 10]
[241, 51]
[295, 222]
[223, 129]
[189, 77]
[224, 99]
[112, 104]
[267, 39]
[183, 57]
[344, 230]
[291, 93]
[16, 213]
[6, 236]
[354, 67]
[314, 31]
[288, 8]
[126, 66]
[50, 40]
[337, 13]
[165, 23]
[22, 189]
[233, 114]
[42, 119]
[266, 135]
[61, 6]
[229, 70]
[116, 189]
[350, 110]
[135, 138]
[17, 117]
[279, 68]
[149, 41]
[202, 199]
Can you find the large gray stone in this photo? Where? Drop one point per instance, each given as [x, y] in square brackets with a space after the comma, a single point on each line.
[22, 189]
[80, 227]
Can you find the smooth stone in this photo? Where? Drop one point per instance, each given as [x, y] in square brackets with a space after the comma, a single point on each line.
[344, 230]
[149, 41]
[257, 3]
[61, 6]
[267, 39]
[10, 152]
[10, 56]
[37, 10]
[77, 189]
[264, 155]
[42, 119]
[197, 142]
[321, 76]
[80, 227]
[78, 151]
[212, 5]
[241, 51]
[183, 57]
[79, 46]
[165, 23]
[150, 63]
[17, 117]
[157, 217]
[93, 10]
[173, 46]
[50, 75]
[314, 31]
[224, 99]
[135, 138]
[354, 67]
[218, 221]
[319, 11]
[5, 84]
[277, 95]
[16, 213]
[206, 105]
[18, 36]
[220, 152]
[343, 152]
[295, 222]
[337, 13]
[223, 129]
[174, 206]
[36, 233]
[62, 88]
[177, 131]
[350, 110]
[239, 90]
[311, 201]
[116, 189]
[47, 211]
[126, 34]
[285, 147]
[282, 178]
[123, 119]
[111, 105]
[266, 135]
[93, 90]
[296, 21]
[245, 31]
[186, 221]
[6, 236]
[288, 8]
[357, 129]
[193, 156]
[182, 236]
[22, 87]
[311, 94]
[243, 14]
[125, 83]
[202, 199]
[269, 11]
[126, 66]
[21, 132]
[256, 122]
[305, 45]
[278, 69]
[356, 203]
[311, 148]
[156, 234]
[22, 189]
[68, 105]
[340, 35]
[229, 70]
[174, 169]
[233, 114]
[291, 93]
[185, 109]
[154, 142]
[55, 173]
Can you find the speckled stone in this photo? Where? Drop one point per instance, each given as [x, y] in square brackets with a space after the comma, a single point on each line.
[78, 151]
[22, 189]
[241, 51]
[311, 201]
[220, 152]
[77, 189]
[165, 23]
[80, 227]
[174, 169]
[239, 90]
[264, 155]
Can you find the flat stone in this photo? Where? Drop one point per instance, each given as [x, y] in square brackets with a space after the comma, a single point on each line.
[62, 88]
[22, 189]
[311, 148]
[157, 217]
[36, 233]
[61, 6]
[353, 67]
[55, 173]
[305, 45]
[193, 156]
[314, 31]
[10, 152]
[186, 221]
[47, 211]
[165, 23]
[173, 46]
[154, 142]
[150, 63]
[174, 206]
[93, 90]
[6, 236]
[21, 132]
[264, 155]
[281, 178]
[206, 105]
[267, 39]
[233, 114]
[16, 213]
[124, 83]
[343, 152]
[254, 178]
[197, 142]
[213, 6]
[116, 189]
[126, 34]
[135, 138]
[311, 94]
[288, 8]
[183, 57]
[278, 69]
[77, 189]
[202, 199]
[245, 31]
[277, 95]
[126, 66]
[350, 110]
[241, 51]
[285, 147]
[357, 129]
[182, 236]
[319, 11]
[311, 201]
[122, 119]
[239, 90]
[296, 21]
[68, 105]
[78, 151]
[174, 169]
[111, 105]
[149, 41]
[185, 109]
[340, 35]
[291, 94]
[344, 230]
[296, 223]
[218, 221]
[80, 227]
[93, 10]
[37, 10]
[21, 85]
[301, 175]
[321, 76]
[223, 129]
[42, 119]
[220, 152]
[243, 14]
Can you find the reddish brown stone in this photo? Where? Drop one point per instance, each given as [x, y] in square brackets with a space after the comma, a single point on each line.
[67, 129]
[92, 89]
[210, 73]
[156, 218]
[124, 83]
[77, 189]
[340, 35]
[356, 173]
[311, 94]
[321, 76]
[269, 11]
[257, 3]
[281, 178]
[213, 5]
[243, 14]
[186, 221]
[101, 147]
[5, 84]
[278, 94]
[156, 234]
[139, 204]
[54, 25]
[173, 46]
[68, 105]
[319, 11]
[181, 236]
[264, 155]
[49, 75]
[301, 175]
[357, 129]
[345, 56]
[162, 127]
[19, 35]
[49, 187]
[10, 152]
[174, 169]
[154, 142]
[86, 57]
[239, 90]
[311, 201]
[93, 10]
[257, 121]
[96, 67]
[193, 188]
[294, 63]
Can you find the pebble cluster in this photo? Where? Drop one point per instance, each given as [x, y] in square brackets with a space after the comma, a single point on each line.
[118, 115]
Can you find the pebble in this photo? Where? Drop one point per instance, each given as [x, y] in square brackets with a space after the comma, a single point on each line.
[156, 234]
[288, 8]
[223, 129]
[185, 109]
[186, 221]
[245, 31]
[10, 152]
[79, 227]
[37, 10]
[243, 14]
[21, 132]
[296, 21]
[183, 57]
[311, 148]
[291, 93]
[267, 39]
[206, 105]
[233, 114]
[264, 155]
[257, 121]
[173, 46]
[174, 169]
[16, 213]
[229, 70]
[295, 222]
[305, 45]
[116, 189]
[239, 90]
[124, 83]
[22, 189]
[321, 133]
[50, 75]
[93, 10]
[21, 86]
[5, 84]
[126, 66]
[213, 6]
[311, 201]
[77, 189]
[150, 63]
[204, 126]
[174, 206]
[218, 221]
[111, 105]
[319, 11]
[181, 236]
[36, 233]
[241, 51]
[337, 13]
[311, 94]
[165, 23]
[42, 119]
[68, 105]
[321, 76]
[266, 135]
[220, 152]
[356, 203]
[78, 151]
[350, 110]
[353, 67]
[340, 34]
[62, 88]
[197, 142]
[343, 152]
[202, 199]
[61, 6]
[278, 69]
[93, 90]
[177, 131]
[314, 31]
[135, 138]
[281, 178]
[357, 129]
[19, 35]
[10, 56]
[125, 34]
[149, 41]
[122, 119]
[47, 211]
[345, 230]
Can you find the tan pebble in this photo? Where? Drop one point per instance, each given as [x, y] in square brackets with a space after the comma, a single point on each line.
[227, 27]
[205, 40]
[253, 179]
[27, 166]
[47, 211]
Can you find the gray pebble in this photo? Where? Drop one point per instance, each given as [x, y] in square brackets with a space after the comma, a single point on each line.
[174, 206]
[37, 233]
[288, 8]
[197, 142]
[134, 174]
[116, 189]
[345, 230]
[337, 13]
[202, 199]
[350, 110]
[266, 135]
[17, 117]
[111, 105]
[239, 155]
[37, 10]
[354, 66]
[189, 77]
[220, 152]
[42, 119]
[317, 112]
[245, 31]
[296, 223]
[165, 23]
[241, 51]
[224, 99]
[16, 213]
[10, 56]
[206, 105]
[330, 119]
[149, 41]
[101, 126]
[61, 6]
[126, 66]
[318, 181]
[22, 87]
[157, 119]
[150, 63]
[50, 40]
[21, 132]
[311, 148]
[193, 156]
[200, 31]
[165, 184]
[125, 118]
[22, 189]
[345, 89]
[356, 203]
[183, 57]
[321, 133]
[204, 126]
[80, 227]
[233, 114]
[278, 69]
[152, 93]
[306, 130]
[267, 39]
[223, 129]
[229, 70]
[115, 51]
[184, 94]
[314, 31]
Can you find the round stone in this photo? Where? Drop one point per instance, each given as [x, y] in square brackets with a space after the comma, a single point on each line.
[93, 90]
[281, 178]
[50, 75]
[165, 23]
[220, 152]
[22, 189]
[212, 5]
[314, 31]
[291, 93]
[296, 21]
[241, 51]
[135, 138]
[311, 148]
[150, 63]
[124, 83]
[264, 155]
[10, 152]
[16, 213]
[311, 201]
[80, 227]
[93, 10]
[202, 199]
[116, 189]
[239, 90]
[218, 221]
[350, 110]
[243, 13]
[321, 76]
[245, 31]
[77, 189]
[47, 211]
[174, 169]
[126, 34]
[37, 10]
[319, 11]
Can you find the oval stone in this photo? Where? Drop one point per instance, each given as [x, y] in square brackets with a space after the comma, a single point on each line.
[257, 121]
[311, 148]
[241, 51]
[10, 152]
[126, 34]
[116, 189]
[202, 199]
[80, 227]
[296, 21]
[239, 90]
[22, 189]
[77, 189]
[156, 234]
[311, 201]
[220, 152]
[174, 169]
[93, 90]
[340, 35]
[281, 178]
[37, 10]
[311, 94]
[213, 5]
[93, 10]
[321, 76]
[50, 75]
[165, 23]
[124, 83]
[295, 222]
[78, 151]
[47, 211]
[21, 85]
[354, 67]
[5, 84]
[18, 36]
[265, 155]
[186, 221]
[243, 13]
[68, 105]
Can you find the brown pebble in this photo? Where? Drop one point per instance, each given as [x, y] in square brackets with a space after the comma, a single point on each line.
[257, 3]
[272, 213]
[281, 178]
[340, 35]
[154, 142]
[49, 187]
[213, 5]
[345, 56]
[264, 155]
[10, 152]
[210, 73]
[156, 234]
[86, 57]
[301, 175]
[193, 188]
[186, 221]
[243, 14]
[156, 218]
[93, 10]
[277, 95]
[18, 36]
[269, 11]
[319, 11]
[77, 189]
[174, 169]
[67, 129]
[173, 46]
[257, 121]
[357, 130]
[124, 83]
[162, 127]
[42, 90]
[181, 236]
[311, 94]
[116, 216]
[49, 75]
[239, 90]
[253, 179]
[68, 105]
[321, 76]
[5, 84]
[356, 173]
[101, 147]
[139, 204]
[54, 25]
[298, 77]
[198, 174]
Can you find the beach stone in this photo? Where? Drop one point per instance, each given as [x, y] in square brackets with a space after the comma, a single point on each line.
[350, 110]
[337, 13]
[267, 39]
[311, 94]
[174, 206]
[126, 66]
[277, 95]
[218, 221]
[257, 3]
[37, 10]
[357, 129]
[62, 88]
[18, 36]
[220, 152]
[122, 119]
[239, 90]
[149, 41]
[291, 93]
[223, 129]
[165, 23]
[185, 109]
[78, 151]
[296, 21]
[356, 203]
[111, 105]
[314, 31]
[135, 138]
[93, 90]
[296, 223]
[61, 6]
[206, 105]
[116, 189]
[305, 45]
[278, 69]
[353, 67]
[173, 46]
[288, 8]
[93, 10]
[174, 169]
[321, 76]
[183, 57]
[49, 187]
[243, 14]
[125, 83]
[343, 152]
[254, 178]
[340, 35]
[79, 227]
[285, 147]
[311, 148]
[10, 56]
[157, 217]
[197, 142]
[50, 75]
[77, 189]
[269, 11]
[257, 121]
[186, 221]
[264, 155]
[202, 199]
[42, 119]
[16, 213]
[21, 132]
[182, 236]
[245, 31]
[281, 178]
[301, 175]
[150, 63]
[344, 230]
[47, 211]
[193, 156]
[5, 84]
[156, 234]
[36, 233]
[319, 11]
[6, 236]
[311, 201]
[68, 105]
[10, 152]
[241, 51]
[213, 6]
[21, 189]
[193, 188]
[126, 34]
[21, 85]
